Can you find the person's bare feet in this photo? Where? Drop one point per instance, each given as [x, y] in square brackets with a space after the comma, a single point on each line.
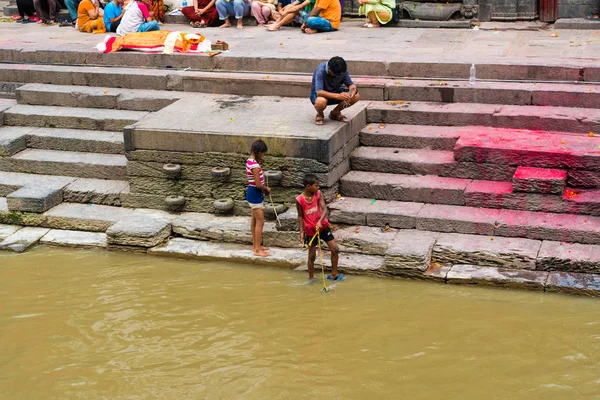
[319, 119]
[263, 248]
[240, 25]
[273, 27]
[261, 253]
[310, 31]
[226, 24]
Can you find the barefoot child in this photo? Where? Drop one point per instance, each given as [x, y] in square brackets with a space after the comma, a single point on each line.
[326, 89]
[255, 196]
[312, 213]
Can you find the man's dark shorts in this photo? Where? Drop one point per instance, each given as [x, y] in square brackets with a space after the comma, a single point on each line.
[330, 102]
[326, 236]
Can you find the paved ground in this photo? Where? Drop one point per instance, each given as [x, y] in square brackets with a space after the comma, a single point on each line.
[546, 46]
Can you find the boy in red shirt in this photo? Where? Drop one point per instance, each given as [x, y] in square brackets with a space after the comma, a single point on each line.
[312, 213]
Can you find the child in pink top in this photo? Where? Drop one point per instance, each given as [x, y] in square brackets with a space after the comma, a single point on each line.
[312, 213]
[255, 196]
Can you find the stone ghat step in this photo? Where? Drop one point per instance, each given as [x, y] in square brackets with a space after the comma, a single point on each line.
[410, 136]
[563, 119]
[467, 220]
[433, 189]
[67, 163]
[425, 162]
[71, 117]
[95, 97]
[93, 88]
[17, 138]
[515, 93]
[74, 190]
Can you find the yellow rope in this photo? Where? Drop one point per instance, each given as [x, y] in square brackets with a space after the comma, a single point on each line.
[318, 236]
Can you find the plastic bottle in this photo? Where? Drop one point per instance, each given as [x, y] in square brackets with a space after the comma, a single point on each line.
[472, 78]
[184, 3]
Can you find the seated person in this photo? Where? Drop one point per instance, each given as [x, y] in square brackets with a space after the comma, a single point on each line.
[90, 17]
[325, 17]
[297, 12]
[73, 7]
[233, 8]
[46, 11]
[113, 12]
[263, 10]
[136, 19]
[326, 89]
[378, 12]
[157, 10]
[26, 10]
[203, 13]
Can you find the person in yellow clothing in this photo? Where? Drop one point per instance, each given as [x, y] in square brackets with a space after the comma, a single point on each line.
[90, 17]
[325, 17]
[378, 12]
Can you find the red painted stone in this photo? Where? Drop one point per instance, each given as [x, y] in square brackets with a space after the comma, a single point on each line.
[540, 149]
[539, 180]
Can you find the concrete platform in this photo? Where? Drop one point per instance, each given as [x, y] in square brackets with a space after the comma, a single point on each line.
[230, 124]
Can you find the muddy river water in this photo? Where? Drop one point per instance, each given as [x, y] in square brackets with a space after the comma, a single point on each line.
[101, 325]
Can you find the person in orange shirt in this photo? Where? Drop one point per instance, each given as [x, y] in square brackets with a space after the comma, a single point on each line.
[325, 17]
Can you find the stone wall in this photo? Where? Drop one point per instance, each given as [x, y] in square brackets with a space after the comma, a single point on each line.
[577, 8]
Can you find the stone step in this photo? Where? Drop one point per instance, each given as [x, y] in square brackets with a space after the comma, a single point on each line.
[467, 220]
[539, 180]
[67, 163]
[485, 92]
[424, 162]
[410, 136]
[17, 138]
[74, 190]
[71, 117]
[417, 188]
[562, 119]
[503, 195]
[539, 149]
[95, 97]
[83, 217]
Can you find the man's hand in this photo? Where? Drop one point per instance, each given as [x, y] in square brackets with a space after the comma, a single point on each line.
[302, 238]
[318, 226]
[344, 96]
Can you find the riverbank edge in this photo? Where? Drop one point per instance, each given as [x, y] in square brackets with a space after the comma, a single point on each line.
[406, 254]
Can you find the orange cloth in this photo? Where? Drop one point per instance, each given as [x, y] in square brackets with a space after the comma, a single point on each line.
[151, 40]
[85, 23]
[331, 11]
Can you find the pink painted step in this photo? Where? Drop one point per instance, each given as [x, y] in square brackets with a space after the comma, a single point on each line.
[469, 220]
[564, 119]
[424, 162]
[502, 195]
[539, 180]
[538, 149]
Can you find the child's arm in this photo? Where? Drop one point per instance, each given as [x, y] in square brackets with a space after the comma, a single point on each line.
[256, 174]
[323, 208]
[300, 221]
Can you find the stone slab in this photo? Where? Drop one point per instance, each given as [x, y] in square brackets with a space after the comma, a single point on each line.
[79, 239]
[289, 220]
[71, 117]
[11, 181]
[568, 257]
[437, 272]
[410, 252]
[228, 252]
[78, 140]
[357, 211]
[364, 239]
[409, 136]
[548, 226]
[95, 191]
[456, 219]
[354, 264]
[539, 180]
[84, 217]
[7, 230]
[486, 251]
[139, 230]
[573, 283]
[498, 277]
[576, 23]
[540, 149]
[23, 239]
[35, 199]
[236, 121]
[406, 188]
[13, 139]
